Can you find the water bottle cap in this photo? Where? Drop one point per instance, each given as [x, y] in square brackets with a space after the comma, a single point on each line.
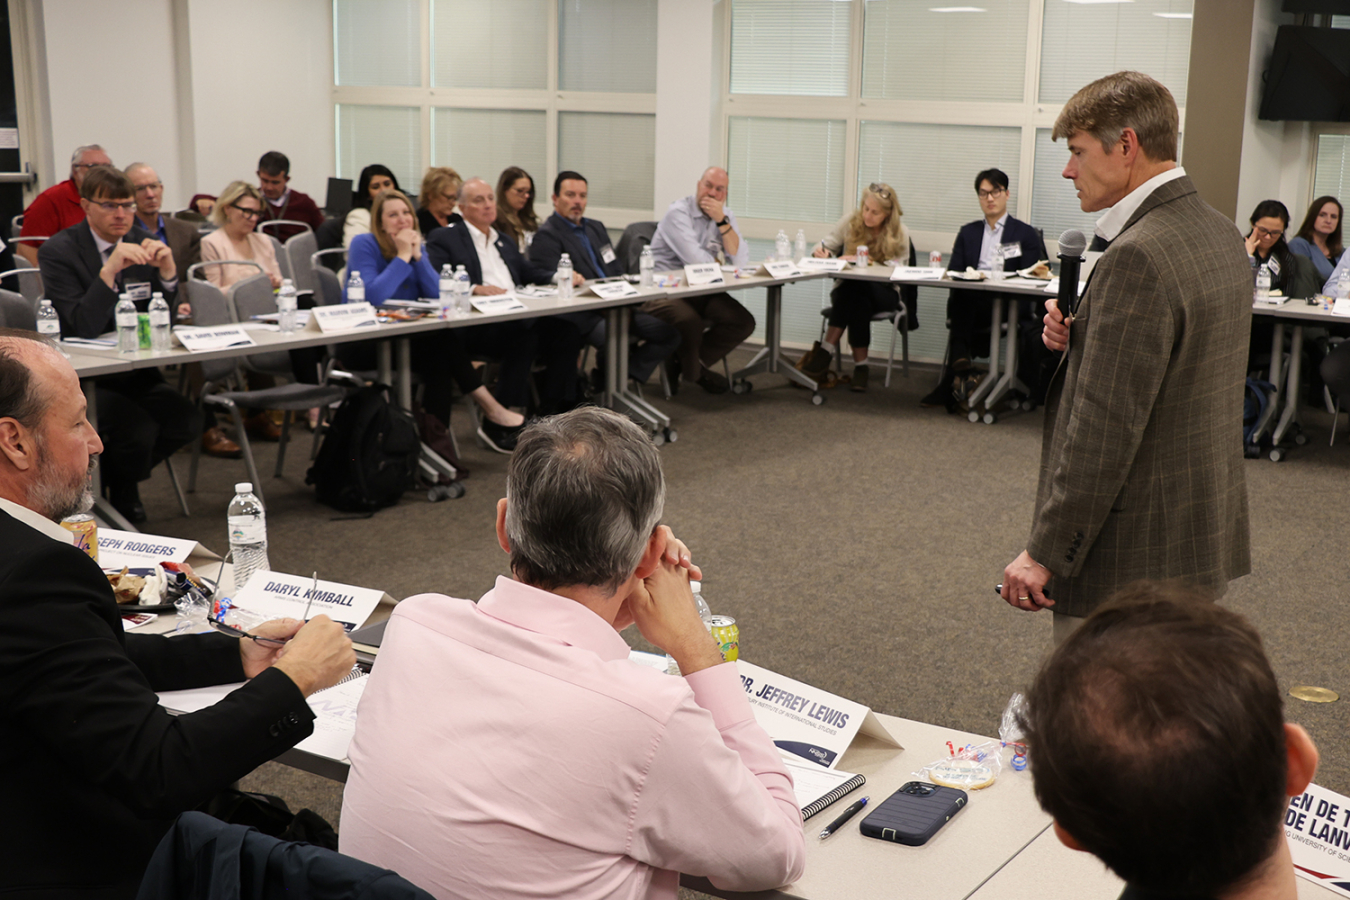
[696, 587]
[244, 487]
[286, 282]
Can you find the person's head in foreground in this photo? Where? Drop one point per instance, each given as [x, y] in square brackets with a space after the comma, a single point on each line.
[1158, 744]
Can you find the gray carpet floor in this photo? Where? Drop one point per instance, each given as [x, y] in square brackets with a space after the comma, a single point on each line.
[856, 543]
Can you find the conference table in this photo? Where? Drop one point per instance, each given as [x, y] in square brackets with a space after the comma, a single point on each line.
[1282, 413]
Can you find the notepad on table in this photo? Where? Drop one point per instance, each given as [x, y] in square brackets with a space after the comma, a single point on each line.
[817, 787]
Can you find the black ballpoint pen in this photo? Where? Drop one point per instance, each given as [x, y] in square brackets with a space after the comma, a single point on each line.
[843, 818]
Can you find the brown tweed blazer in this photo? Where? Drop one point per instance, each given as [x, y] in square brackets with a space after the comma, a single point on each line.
[1141, 464]
[185, 243]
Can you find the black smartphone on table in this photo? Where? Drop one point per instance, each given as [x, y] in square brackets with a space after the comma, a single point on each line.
[914, 813]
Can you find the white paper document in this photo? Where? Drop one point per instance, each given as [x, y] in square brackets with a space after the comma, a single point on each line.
[498, 303]
[803, 720]
[277, 595]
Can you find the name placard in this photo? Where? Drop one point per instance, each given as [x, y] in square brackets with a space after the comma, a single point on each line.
[1317, 827]
[812, 264]
[703, 273]
[198, 339]
[806, 721]
[779, 268]
[911, 273]
[280, 596]
[342, 317]
[498, 303]
[1341, 307]
[125, 548]
[612, 290]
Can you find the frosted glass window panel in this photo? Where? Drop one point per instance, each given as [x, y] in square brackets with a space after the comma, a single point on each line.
[482, 142]
[499, 44]
[911, 52]
[1340, 21]
[795, 47]
[786, 168]
[389, 135]
[376, 43]
[607, 45]
[616, 152]
[933, 168]
[1083, 41]
[1054, 201]
[1332, 173]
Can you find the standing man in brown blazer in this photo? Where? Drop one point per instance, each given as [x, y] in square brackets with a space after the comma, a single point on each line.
[1141, 464]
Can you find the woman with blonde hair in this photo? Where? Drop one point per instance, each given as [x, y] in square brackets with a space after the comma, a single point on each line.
[515, 207]
[876, 225]
[436, 201]
[236, 213]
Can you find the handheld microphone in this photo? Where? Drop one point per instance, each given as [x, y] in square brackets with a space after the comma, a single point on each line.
[1072, 243]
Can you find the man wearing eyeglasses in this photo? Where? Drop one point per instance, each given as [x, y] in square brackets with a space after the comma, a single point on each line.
[84, 269]
[968, 312]
[183, 238]
[58, 207]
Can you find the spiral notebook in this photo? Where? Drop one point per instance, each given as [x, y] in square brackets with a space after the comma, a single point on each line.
[817, 787]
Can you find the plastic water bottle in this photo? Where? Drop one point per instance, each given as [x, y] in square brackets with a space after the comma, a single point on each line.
[356, 288]
[704, 613]
[996, 264]
[1262, 284]
[463, 291]
[564, 277]
[160, 319]
[286, 306]
[782, 248]
[800, 249]
[1343, 285]
[127, 320]
[647, 267]
[248, 534]
[446, 288]
[48, 322]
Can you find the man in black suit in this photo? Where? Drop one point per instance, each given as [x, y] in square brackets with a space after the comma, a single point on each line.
[84, 268]
[99, 769]
[587, 244]
[968, 312]
[495, 266]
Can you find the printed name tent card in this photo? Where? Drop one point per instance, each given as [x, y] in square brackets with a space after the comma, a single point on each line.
[703, 273]
[812, 264]
[906, 273]
[612, 290]
[280, 596]
[1317, 827]
[779, 268]
[125, 548]
[219, 338]
[806, 721]
[342, 317]
[498, 303]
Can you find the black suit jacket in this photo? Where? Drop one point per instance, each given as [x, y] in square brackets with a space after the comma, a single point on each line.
[70, 263]
[966, 252]
[454, 245]
[555, 237]
[96, 768]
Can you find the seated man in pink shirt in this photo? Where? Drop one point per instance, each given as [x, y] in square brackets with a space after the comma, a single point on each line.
[510, 749]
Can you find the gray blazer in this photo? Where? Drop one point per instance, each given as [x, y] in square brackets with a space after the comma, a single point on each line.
[1141, 464]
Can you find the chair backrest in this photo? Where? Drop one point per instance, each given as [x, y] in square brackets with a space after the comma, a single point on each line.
[16, 311]
[251, 297]
[283, 261]
[16, 225]
[196, 270]
[209, 308]
[328, 290]
[29, 283]
[635, 237]
[298, 251]
[267, 226]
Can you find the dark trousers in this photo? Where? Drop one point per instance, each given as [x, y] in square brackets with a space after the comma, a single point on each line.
[853, 303]
[141, 421]
[438, 358]
[512, 345]
[657, 340]
[557, 341]
[731, 323]
[968, 315]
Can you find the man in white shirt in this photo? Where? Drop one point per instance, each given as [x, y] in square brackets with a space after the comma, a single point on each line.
[1141, 466]
[700, 229]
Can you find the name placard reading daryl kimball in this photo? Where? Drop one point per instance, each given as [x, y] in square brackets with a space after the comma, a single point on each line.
[703, 273]
[804, 720]
[281, 596]
[342, 317]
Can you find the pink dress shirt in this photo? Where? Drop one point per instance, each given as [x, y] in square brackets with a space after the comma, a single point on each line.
[511, 749]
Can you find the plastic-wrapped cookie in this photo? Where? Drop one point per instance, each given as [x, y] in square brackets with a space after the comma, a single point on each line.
[966, 774]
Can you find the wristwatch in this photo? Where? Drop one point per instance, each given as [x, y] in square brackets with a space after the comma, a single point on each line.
[725, 221]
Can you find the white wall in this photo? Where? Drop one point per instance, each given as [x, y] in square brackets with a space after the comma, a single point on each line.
[687, 114]
[1263, 143]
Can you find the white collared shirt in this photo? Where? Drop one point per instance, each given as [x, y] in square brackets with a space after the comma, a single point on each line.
[280, 201]
[33, 520]
[495, 271]
[991, 238]
[1113, 221]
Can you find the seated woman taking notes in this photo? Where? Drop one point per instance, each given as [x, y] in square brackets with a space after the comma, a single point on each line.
[393, 267]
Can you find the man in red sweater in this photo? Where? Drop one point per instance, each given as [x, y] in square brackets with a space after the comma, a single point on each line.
[58, 207]
[284, 202]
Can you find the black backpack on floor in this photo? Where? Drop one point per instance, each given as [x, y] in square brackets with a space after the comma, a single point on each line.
[369, 457]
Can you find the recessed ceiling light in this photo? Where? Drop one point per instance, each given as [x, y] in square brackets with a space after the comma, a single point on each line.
[957, 9]
[1173, 15]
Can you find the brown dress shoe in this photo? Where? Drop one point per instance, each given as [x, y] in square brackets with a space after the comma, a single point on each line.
[215, 443]
[261, 428]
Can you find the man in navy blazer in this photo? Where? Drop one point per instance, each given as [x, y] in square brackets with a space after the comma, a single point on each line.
[587, 244]
[84, 268]
[495, 266]
[968, 312]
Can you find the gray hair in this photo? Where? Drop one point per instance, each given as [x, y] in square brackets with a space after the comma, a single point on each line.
[81, 151]
[584, 492]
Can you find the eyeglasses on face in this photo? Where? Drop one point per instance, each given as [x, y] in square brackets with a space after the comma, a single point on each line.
[1266, 232]
[248, 212]
[880, 190]
[150, 188]
[985, 195]
[110, 206]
